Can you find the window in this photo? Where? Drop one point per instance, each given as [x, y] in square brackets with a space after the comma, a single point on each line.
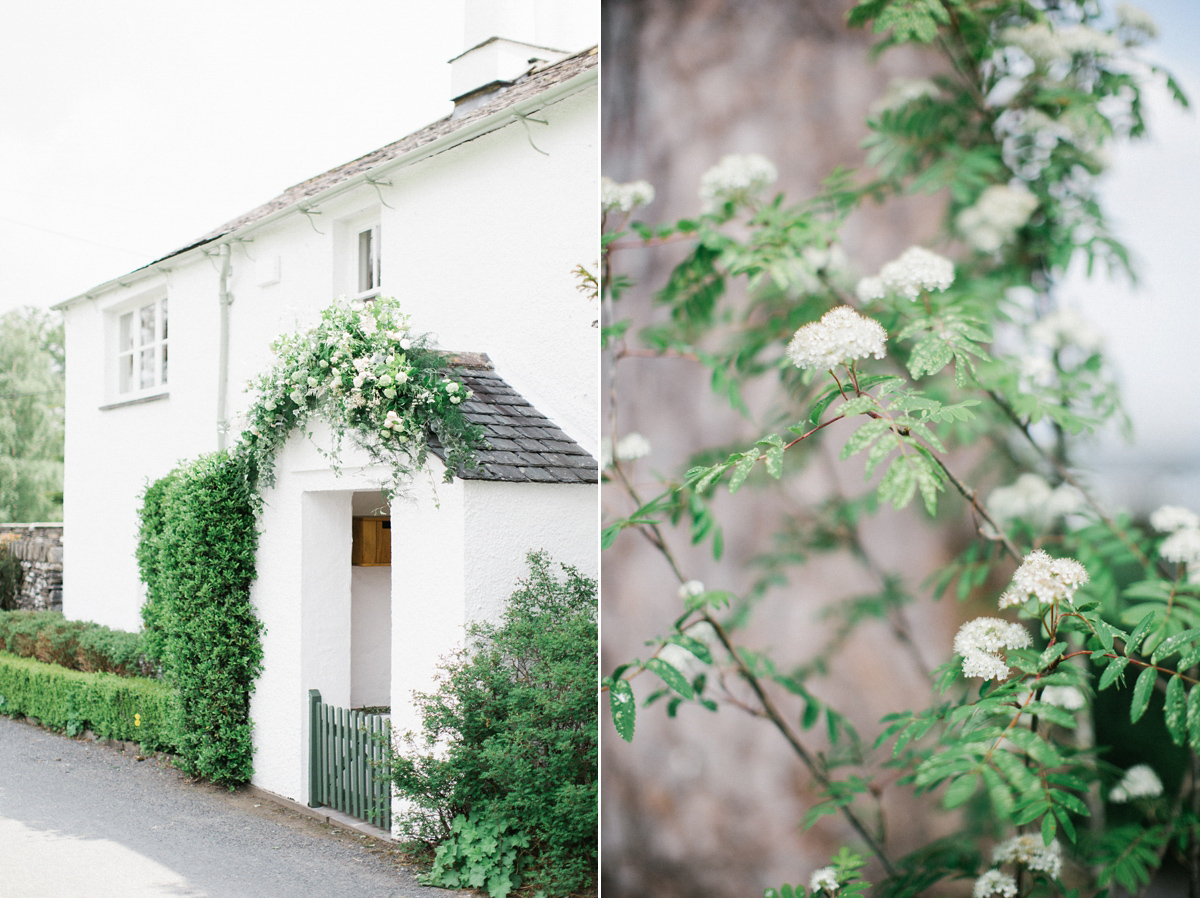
[368, 262]
[142, 348]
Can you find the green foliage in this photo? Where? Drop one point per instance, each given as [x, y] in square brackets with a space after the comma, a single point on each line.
[978, 354]
[363, 372]
[198, 543]
[11, 575]
[78, 645]
[478, 854]
[31, 422]
[129, 708]
[516, 713]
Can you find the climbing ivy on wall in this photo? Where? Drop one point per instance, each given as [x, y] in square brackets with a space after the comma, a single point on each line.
[361, 370]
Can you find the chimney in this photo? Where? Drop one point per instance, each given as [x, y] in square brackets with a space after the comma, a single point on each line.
[505, 39]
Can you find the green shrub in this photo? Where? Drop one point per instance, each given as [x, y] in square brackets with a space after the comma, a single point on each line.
[198, 542]
[130, 708]
[78, 645]
[516, 712]
[11, 574]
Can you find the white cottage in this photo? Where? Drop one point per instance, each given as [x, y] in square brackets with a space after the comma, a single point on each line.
[475, 224]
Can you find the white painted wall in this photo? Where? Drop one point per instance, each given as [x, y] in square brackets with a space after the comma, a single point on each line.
[479, 246]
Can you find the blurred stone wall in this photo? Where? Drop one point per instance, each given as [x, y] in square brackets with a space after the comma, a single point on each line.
[39, 549]
[710, 804]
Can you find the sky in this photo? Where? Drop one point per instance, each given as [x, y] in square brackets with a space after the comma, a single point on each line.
[131, 127]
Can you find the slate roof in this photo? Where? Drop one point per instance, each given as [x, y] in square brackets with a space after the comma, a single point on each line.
[529, 85]
[523, 445]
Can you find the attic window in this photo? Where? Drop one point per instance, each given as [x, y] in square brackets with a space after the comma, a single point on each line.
[142, 348]
[368, 262]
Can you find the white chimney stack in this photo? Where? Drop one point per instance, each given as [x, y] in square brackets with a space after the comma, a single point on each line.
[504, 39]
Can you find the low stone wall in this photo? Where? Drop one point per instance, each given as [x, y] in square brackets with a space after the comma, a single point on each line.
[39, 549]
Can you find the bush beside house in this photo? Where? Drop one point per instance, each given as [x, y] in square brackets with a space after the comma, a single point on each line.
[78, 645]
[507, 756]
[135, 709]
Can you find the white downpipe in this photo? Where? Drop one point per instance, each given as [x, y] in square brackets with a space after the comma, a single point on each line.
[224, 299]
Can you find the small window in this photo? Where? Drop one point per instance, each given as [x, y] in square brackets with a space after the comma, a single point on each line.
[142, 357]
[368, 262]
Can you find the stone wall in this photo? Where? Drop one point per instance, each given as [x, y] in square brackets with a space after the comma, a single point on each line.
[39, 549]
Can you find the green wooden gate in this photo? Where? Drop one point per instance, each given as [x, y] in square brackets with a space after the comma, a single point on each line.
[346, 762]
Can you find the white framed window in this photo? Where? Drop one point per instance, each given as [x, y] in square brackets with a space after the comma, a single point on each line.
[142, 348]
[368, 268]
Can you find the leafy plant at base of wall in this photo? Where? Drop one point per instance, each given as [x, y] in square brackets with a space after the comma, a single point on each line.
[198, 542]
[11, 574]
[77, 645]
[511, 732]
[480, 853]
[129, 708]
[362, 371]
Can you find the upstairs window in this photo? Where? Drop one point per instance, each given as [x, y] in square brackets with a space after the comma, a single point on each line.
[368, 262]
[142, 348]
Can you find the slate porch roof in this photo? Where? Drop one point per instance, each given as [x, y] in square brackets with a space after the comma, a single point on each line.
[523, 445]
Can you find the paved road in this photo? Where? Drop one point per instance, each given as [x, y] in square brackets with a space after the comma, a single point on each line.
[80, 820]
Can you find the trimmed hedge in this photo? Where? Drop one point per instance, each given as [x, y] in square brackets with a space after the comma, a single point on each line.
[78, 645]
[134, 709]
[198, 540]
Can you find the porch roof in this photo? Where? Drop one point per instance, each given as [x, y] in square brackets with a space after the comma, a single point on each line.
[523, 445]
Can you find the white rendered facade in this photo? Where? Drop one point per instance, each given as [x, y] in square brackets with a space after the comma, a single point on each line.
[477, 233]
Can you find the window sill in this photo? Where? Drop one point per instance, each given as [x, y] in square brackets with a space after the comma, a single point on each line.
[137, 400]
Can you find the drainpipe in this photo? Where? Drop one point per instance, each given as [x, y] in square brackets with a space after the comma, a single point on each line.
[225, 299]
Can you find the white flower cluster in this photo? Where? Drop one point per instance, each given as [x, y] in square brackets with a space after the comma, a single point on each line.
[980, 642]
[1066, 327]
[1183, 544]
[916, 270]
[682, 659]
[1032, 852]
[1032, 500]
[996, 217]
[1139, 781]
[690, 589]
[1137, 25]
[1028, 138]
[1066, 697]
[1046, 45]
[1170, 518]
[615, 197]
[630, 447]
[902, 91]
[841, 335]
[736, 179]
[995, 882]
[1046, 579]
[824, 880]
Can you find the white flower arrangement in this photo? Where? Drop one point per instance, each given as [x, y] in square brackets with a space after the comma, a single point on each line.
[996, 216]
[841, 335]
[824, 880]
[1046, 579]
[361, 370]
[980, 642]
[737, 179]
[1032, 853]
[995, 882]
[616, 197]
[1139, 781]
[916, 270]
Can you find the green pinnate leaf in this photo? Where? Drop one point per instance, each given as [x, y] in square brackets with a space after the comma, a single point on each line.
[1175, 710]
[1141, 693]
[671, 677]
[623, 708]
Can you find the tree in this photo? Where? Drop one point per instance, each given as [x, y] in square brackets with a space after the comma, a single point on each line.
[31, 415]
[915, 374]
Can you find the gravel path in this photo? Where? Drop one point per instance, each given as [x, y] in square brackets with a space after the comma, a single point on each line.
[83, 820]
